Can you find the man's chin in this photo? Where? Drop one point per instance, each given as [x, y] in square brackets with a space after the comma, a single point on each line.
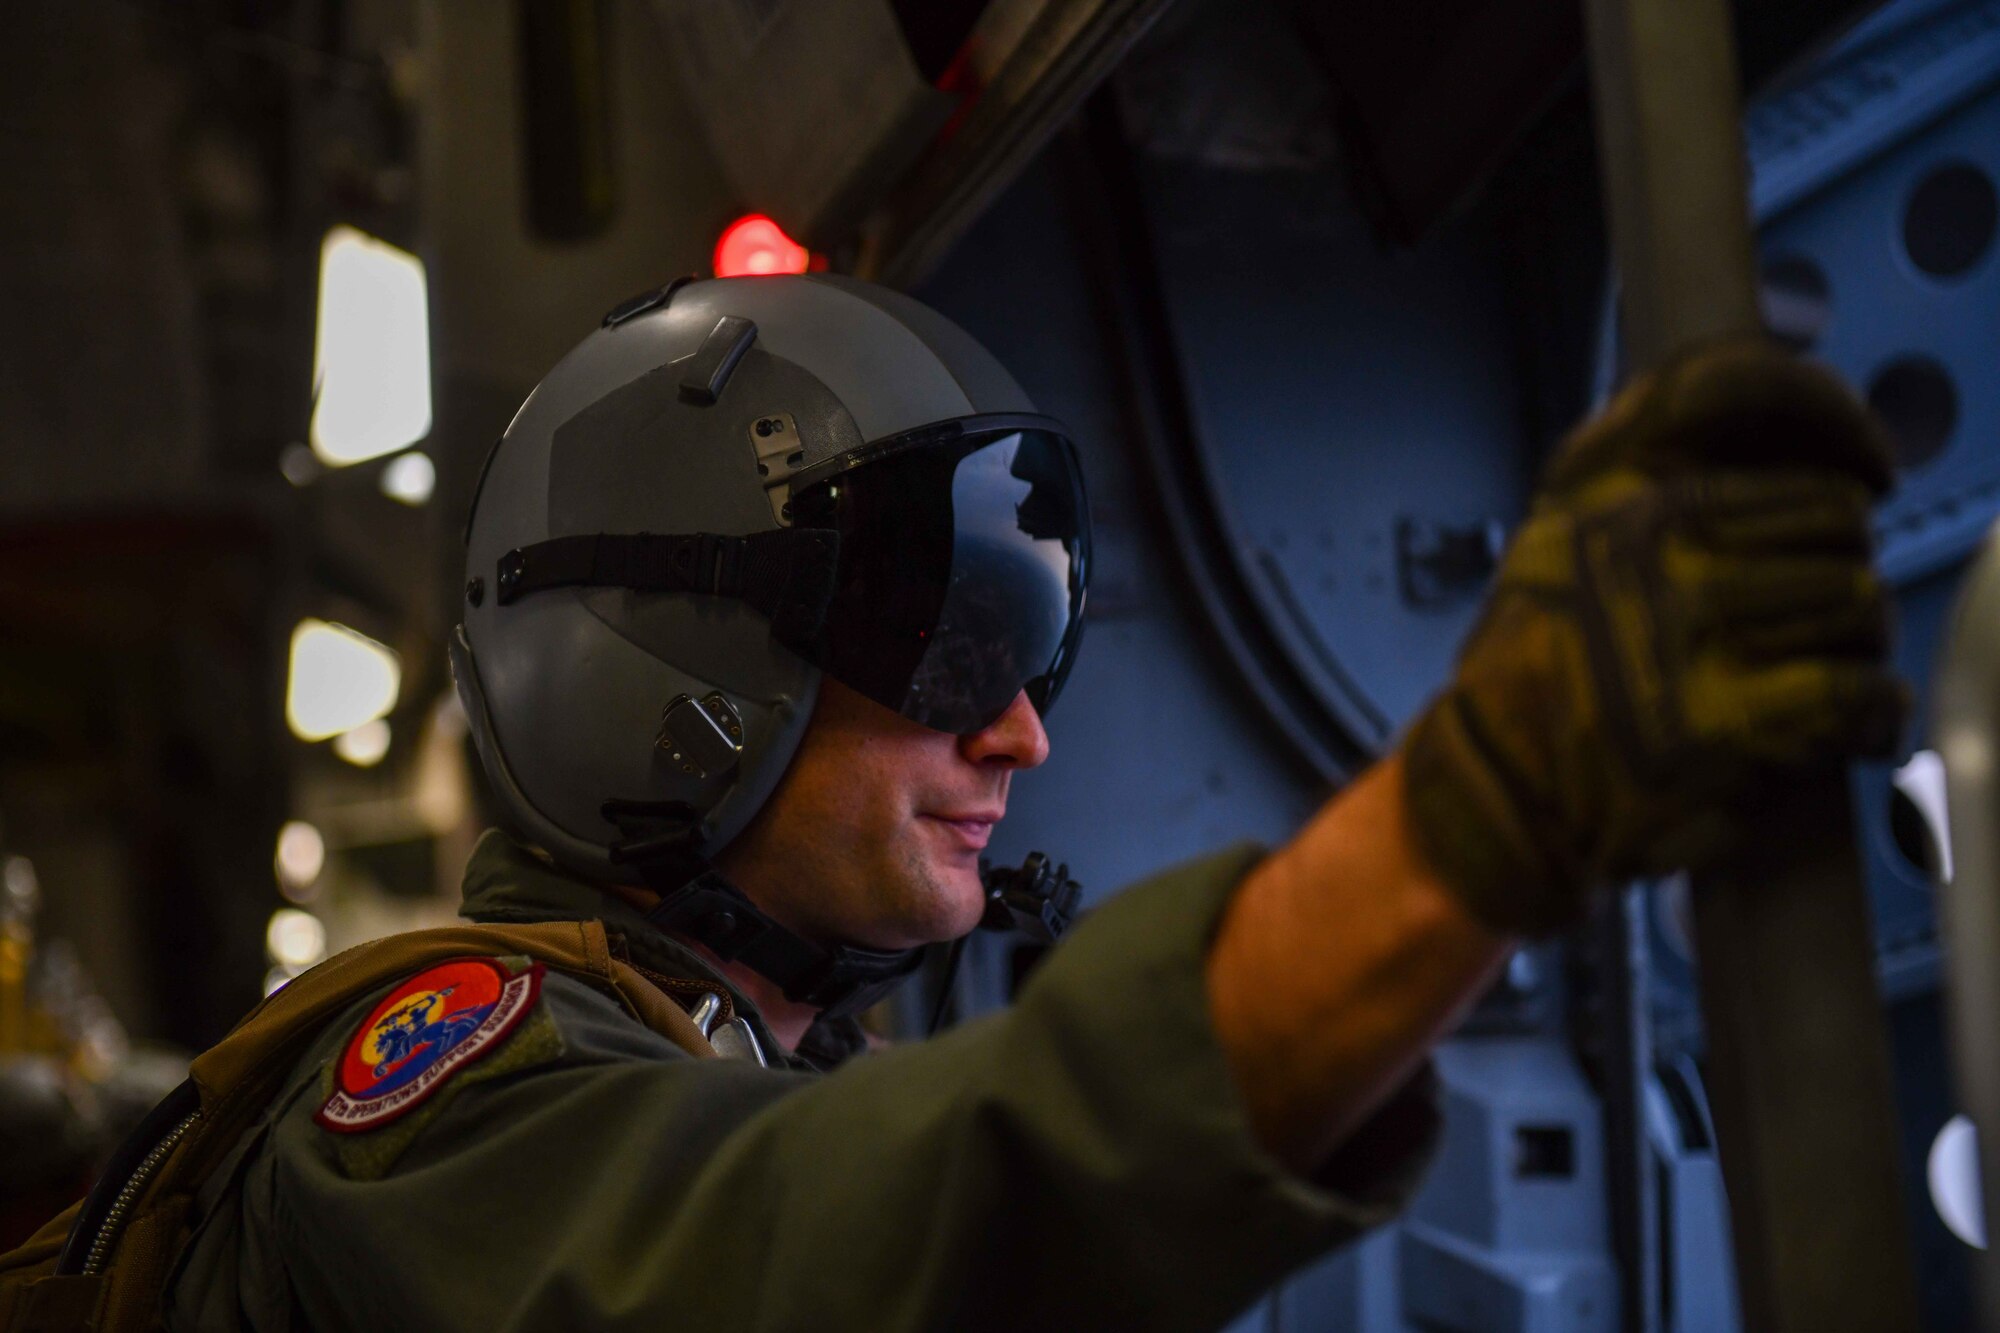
[968, 901]
[945, 904]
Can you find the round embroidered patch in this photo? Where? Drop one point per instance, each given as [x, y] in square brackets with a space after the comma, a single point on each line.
[437, 1022]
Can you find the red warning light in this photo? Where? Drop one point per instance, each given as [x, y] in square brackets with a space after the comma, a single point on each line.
[755, 245]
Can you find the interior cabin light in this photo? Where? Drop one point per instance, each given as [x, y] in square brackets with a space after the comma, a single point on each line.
[364, 746]
[371, 350]
[339, 680]
[301, 856]
[410, 478]
[754, 245]
[17, 880]
[294, 939]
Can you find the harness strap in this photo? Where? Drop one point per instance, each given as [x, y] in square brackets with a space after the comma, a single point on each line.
[303, 1005]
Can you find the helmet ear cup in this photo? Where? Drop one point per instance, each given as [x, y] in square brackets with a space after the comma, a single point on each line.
[611, 696]
[593, 858]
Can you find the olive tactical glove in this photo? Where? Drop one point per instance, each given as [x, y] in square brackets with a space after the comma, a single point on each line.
[1688, 613]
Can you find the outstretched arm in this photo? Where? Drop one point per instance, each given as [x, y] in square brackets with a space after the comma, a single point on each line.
[1316, 1048]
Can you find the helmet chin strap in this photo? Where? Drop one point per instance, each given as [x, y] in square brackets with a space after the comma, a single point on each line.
[699, 903]
[838, 981]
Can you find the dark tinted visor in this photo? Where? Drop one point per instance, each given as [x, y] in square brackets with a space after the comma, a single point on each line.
[964, 553]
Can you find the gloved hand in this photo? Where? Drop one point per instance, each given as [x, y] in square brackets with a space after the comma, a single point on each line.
[1688, 612]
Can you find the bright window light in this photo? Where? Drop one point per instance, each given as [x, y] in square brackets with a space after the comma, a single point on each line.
[371, 351]
[294, 939]
[410, 478]
[364, 746]
[339, 680]
[301, 856]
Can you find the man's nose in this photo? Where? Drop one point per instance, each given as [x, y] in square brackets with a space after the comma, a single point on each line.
[1015, 739]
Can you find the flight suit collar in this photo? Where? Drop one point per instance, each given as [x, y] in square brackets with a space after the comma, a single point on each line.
[508, 881]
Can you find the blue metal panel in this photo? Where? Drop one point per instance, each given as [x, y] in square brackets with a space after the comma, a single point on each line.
[1511, 1234]
[1908, 63]
[1884, 309]
[1698, 1288]
[1355, 1290]
[1837, 159]
[1340, 389]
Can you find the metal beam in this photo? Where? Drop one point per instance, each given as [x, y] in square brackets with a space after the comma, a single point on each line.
[1798, 1059]
[1057, 52]
[1798, 1067]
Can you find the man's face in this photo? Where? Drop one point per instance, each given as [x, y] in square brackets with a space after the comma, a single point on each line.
[873, 837]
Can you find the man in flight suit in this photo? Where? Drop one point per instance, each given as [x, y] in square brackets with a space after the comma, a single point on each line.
[769, 586]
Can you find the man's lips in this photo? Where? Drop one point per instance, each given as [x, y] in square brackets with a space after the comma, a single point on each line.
[971, 827]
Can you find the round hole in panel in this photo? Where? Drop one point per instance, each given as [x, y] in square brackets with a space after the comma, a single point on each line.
[1916, 399]
[1912, 836]
[1949, 222]
[1796, 299]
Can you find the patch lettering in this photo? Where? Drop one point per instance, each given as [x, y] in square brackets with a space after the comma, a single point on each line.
[422, 1032]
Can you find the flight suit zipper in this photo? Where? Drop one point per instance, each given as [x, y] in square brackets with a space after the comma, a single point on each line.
[128, 1195]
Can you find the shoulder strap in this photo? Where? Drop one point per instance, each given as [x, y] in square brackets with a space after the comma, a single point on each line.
[577, 947]
[41, 1286]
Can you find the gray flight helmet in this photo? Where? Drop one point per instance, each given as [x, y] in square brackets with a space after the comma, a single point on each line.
[585, 700]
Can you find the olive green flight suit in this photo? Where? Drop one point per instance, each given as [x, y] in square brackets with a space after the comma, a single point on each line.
[1079, 1161]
